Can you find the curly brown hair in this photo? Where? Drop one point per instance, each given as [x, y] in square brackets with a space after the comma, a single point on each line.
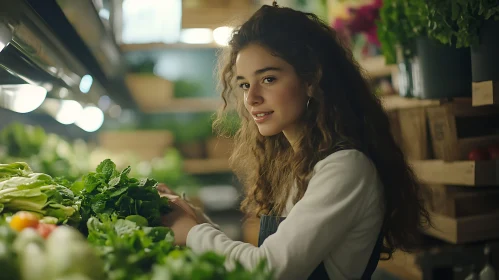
[343, 113]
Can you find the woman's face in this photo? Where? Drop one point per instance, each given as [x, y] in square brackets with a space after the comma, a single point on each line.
[274, 95]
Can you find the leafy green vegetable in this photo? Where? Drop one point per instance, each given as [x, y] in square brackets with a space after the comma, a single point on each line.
[184, 264]
[110, 192]
[22, 140]
[129, 250]
[21, 189]
[9, 265]
[134, 252]
[14, 169]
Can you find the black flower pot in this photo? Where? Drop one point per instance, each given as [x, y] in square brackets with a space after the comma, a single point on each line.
[485, 56]
[404, 78]
[441, 71]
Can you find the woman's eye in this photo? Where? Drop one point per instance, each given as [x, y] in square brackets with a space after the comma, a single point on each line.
[268, 80]
[244, 86]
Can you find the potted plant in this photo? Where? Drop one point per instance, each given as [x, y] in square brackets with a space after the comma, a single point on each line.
[397, 39]
[436, 70]
[475, 24]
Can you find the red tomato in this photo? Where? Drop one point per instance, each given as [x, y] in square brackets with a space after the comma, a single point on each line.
[493, 151]
[45, 229]
[478, 154]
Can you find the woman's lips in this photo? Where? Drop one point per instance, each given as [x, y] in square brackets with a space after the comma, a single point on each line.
[261, 117]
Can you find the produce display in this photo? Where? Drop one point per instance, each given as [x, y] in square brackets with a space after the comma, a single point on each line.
[51, 154]
[44, 152]
[105, 226]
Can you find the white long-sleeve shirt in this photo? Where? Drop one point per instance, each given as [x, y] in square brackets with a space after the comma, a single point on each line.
[337, 221]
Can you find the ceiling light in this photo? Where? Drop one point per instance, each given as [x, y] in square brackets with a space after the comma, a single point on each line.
[222, 35]
[86, 83]
[115, 111]
[5, 36]
[104, 102]
[91, 119]
[22, 98]
[63, 92]
[196, 36]
[69, 111]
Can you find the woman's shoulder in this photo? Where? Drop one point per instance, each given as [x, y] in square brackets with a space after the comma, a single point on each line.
[347, 159]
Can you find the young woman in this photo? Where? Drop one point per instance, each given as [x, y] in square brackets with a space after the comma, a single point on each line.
[315, 153]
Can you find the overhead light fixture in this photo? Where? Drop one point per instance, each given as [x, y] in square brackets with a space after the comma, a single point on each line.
[196, 36]
[222, 35]
[64, 111]
[115, 111]
[22, 98]
[104, 102]
[63, 92]
[86, 83]
[69, 111]
[91, 119]
[5, 36]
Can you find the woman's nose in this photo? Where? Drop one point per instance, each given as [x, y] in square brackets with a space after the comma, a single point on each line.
[253, 96]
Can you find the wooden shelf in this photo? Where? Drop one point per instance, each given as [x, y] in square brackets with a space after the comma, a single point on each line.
[463, 173]
[376, 66]
[396, 102]
[465, 229]
[190, 105]
[206, 166]
[163, 46]
[486, 93]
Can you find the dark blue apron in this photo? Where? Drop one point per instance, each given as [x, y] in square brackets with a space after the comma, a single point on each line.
[269, 225]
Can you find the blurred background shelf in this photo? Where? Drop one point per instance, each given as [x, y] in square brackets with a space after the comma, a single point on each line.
[164, 46]
[377, 67]
[397, 102]
[190, 105]
[206, 166]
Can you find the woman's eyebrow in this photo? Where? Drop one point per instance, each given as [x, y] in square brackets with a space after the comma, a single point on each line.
[261, 71]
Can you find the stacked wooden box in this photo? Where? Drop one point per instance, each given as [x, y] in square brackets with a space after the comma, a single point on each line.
[437, 137]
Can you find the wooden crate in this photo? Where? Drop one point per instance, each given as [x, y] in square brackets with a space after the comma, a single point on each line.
[409, 130]
[456, 128]
[457, 202]
[462, 173]
[413, 133]
[219, 147]
[146, 144]
[465, 229]
[152, 93]
[409, 125]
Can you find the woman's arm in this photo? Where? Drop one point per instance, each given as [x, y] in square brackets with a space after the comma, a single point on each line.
[333, 203]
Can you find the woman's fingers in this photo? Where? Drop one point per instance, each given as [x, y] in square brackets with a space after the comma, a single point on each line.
[163, 189]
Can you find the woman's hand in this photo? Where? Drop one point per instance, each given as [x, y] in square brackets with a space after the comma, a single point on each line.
[187, 205]
[181, 220]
